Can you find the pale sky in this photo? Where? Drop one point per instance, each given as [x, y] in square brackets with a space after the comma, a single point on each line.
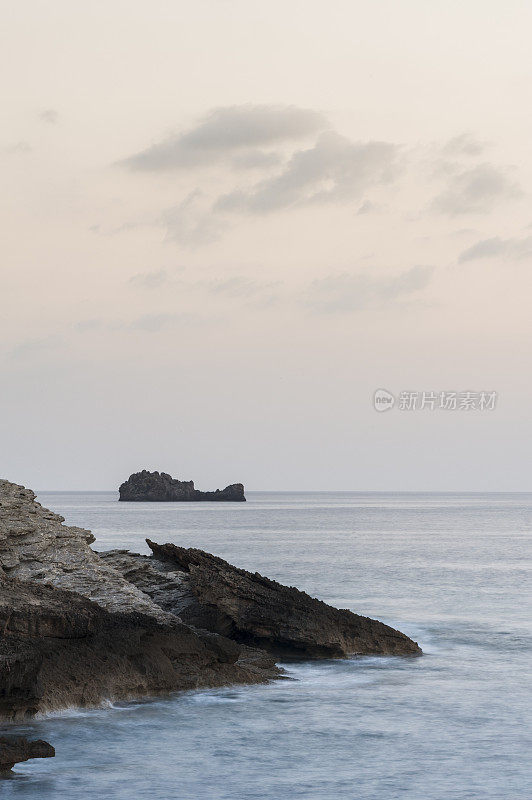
[227, 223]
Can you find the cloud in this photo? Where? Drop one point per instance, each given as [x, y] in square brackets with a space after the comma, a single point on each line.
[191, 222]
[87, 325]
[256, 159]
[489, 248]
[30, 347]
[333, 170]
[261, 293]
[346, 292]
[49, 115]
[150, 280]
[476, 190]
[228, 130]
[155, 322]
[236, 286]
[463, 145]
[18, 148]
[367, 207]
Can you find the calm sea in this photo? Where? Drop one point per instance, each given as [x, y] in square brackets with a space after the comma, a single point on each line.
[450, 570]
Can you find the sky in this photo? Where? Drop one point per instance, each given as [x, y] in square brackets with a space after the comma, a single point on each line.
[227, 223]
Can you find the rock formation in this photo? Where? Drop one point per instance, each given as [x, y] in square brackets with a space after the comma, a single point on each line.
[78, 627]
[160, 487]
[14, 749]
[58, 649]
[207, 592]
[36, 546]
[74, 631]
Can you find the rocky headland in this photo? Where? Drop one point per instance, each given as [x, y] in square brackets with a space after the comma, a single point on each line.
[205, 591]
[78, 627]
[159, 487]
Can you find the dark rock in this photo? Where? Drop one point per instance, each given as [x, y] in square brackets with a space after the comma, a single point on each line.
[74, 631]
[14, 749]
[207, 592]
[58, 649]
[160, 487]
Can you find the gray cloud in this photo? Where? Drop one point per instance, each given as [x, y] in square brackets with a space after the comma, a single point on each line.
[49, 115]
[347, 292]
[30, 347]
[150, 280]
[152, 322]
[334, 169]
[475, 191]
[18, 148]
[155, 322]
[191, 222]
[464, 145]
[256, 159]
[489, 248]
[367, 207]
[260, 294]
[237, 286]
[88, 325]
[228, 130]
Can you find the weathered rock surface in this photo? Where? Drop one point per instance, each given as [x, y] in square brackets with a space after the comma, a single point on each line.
[78, 627]
[74, 631]
[36, 546]
[207, 592]
[160, 487]
[58, 649]
[15, 749]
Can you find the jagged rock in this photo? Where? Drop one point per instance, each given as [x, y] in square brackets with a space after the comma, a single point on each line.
[36, 546]
[74, 631]
[77, 627]
[160, 487]
[207, 592]
[14, 749]
[58, 649]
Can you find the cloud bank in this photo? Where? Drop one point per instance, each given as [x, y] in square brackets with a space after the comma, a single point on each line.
[226, 131]
[265, 159]
[475, 191]
[333, 170]
[347, 292]
[489, 248]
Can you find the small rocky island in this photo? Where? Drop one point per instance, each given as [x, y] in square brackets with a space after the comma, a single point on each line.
[159, 487]
[78, 627]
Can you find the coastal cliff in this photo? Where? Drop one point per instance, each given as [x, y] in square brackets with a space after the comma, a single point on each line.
[78, 627]
[160, 487]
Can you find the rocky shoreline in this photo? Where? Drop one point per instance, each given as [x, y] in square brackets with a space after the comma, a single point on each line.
[79, 627]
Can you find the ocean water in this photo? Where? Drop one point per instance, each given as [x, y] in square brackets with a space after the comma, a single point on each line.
[450, 570]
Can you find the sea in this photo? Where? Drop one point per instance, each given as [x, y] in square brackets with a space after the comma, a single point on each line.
[450, 570]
